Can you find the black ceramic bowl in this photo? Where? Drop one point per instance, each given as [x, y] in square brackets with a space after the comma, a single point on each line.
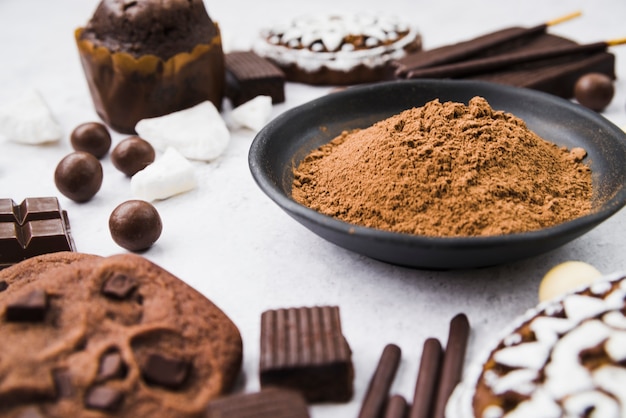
[286, 140]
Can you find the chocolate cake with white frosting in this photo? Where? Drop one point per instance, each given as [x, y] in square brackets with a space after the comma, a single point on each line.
[338, 49]
[566, 358]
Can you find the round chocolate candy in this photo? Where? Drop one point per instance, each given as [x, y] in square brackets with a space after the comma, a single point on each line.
[91, 137]
[594, 91]
[78, 176]
[135, 225]
[132, 154]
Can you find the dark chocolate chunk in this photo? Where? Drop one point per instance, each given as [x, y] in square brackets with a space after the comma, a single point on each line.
[31, 307]
[103, 398]
[135, 225]
[119, 286]
[132, 154]
[78, 176]
[249, 75]
[3, 285]
[165, 371]
[34, 227]
[63, 383]
[594, 91]
[91, 137]
[268, 403]
[30, 412]
[112, 366]
[304, 349]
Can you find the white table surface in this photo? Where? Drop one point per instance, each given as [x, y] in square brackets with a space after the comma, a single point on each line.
[232, 243]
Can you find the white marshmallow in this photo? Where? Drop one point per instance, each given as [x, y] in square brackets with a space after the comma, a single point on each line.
[28, 120]
[253, 114]
[168, 176]
[198, 133]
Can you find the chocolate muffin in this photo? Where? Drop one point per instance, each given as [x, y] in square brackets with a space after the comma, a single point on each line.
[147, 58]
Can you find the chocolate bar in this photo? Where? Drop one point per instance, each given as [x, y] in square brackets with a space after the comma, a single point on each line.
[34, 227]
[304, 349]
[268, 403]
[248, 75]
[556, 75]
[490, 44]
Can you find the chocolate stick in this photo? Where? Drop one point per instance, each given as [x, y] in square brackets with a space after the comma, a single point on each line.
[427, 379]
[452, 366]
[498, 62]
[378, 389]
[460, 51]
[396, 407]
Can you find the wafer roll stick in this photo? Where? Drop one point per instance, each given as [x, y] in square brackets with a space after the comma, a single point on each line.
[396, 407]
[427, 379]
[378, 390]
[503, 61]
[453, 359]
[460, 51]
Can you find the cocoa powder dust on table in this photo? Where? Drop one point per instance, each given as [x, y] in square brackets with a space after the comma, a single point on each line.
[446, 169]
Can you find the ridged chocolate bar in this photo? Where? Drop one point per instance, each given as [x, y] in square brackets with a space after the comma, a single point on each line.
[34, 227]
[304, 349]
[268, 403]
[248, 75]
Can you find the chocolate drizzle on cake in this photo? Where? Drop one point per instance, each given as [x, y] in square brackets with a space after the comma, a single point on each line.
[566, 360]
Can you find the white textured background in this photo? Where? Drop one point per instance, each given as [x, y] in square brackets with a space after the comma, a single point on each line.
[228, 240]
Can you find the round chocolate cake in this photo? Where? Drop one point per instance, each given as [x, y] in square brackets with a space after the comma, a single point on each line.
[148, 58]
[566, 358]
[338, 49]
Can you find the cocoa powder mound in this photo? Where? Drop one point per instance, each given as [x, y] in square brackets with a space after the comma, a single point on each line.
[446, 169]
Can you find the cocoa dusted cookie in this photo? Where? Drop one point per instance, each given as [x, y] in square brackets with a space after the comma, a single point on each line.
[88, 336]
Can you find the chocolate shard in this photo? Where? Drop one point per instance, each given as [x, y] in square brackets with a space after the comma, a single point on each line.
[268, 403]
[3, 285]
[304, 349]
[31, 307]
[104, 399]
[112, 366]
[249, 75]
[164, 371]
[119, 286]
[34, 227]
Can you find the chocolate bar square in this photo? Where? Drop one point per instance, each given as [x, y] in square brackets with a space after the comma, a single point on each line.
[304, 349]
[268, 403]
[248, 75]
[36, 226]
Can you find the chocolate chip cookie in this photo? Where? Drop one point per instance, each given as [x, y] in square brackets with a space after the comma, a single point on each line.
[89, 336]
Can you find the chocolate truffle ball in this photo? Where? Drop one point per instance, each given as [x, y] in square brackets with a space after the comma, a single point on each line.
[78, 176]
[135, 225]
[91, 137]
[132, 155]
[594, 91]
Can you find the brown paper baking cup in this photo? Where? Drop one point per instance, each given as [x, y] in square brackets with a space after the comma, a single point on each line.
[126, 89]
